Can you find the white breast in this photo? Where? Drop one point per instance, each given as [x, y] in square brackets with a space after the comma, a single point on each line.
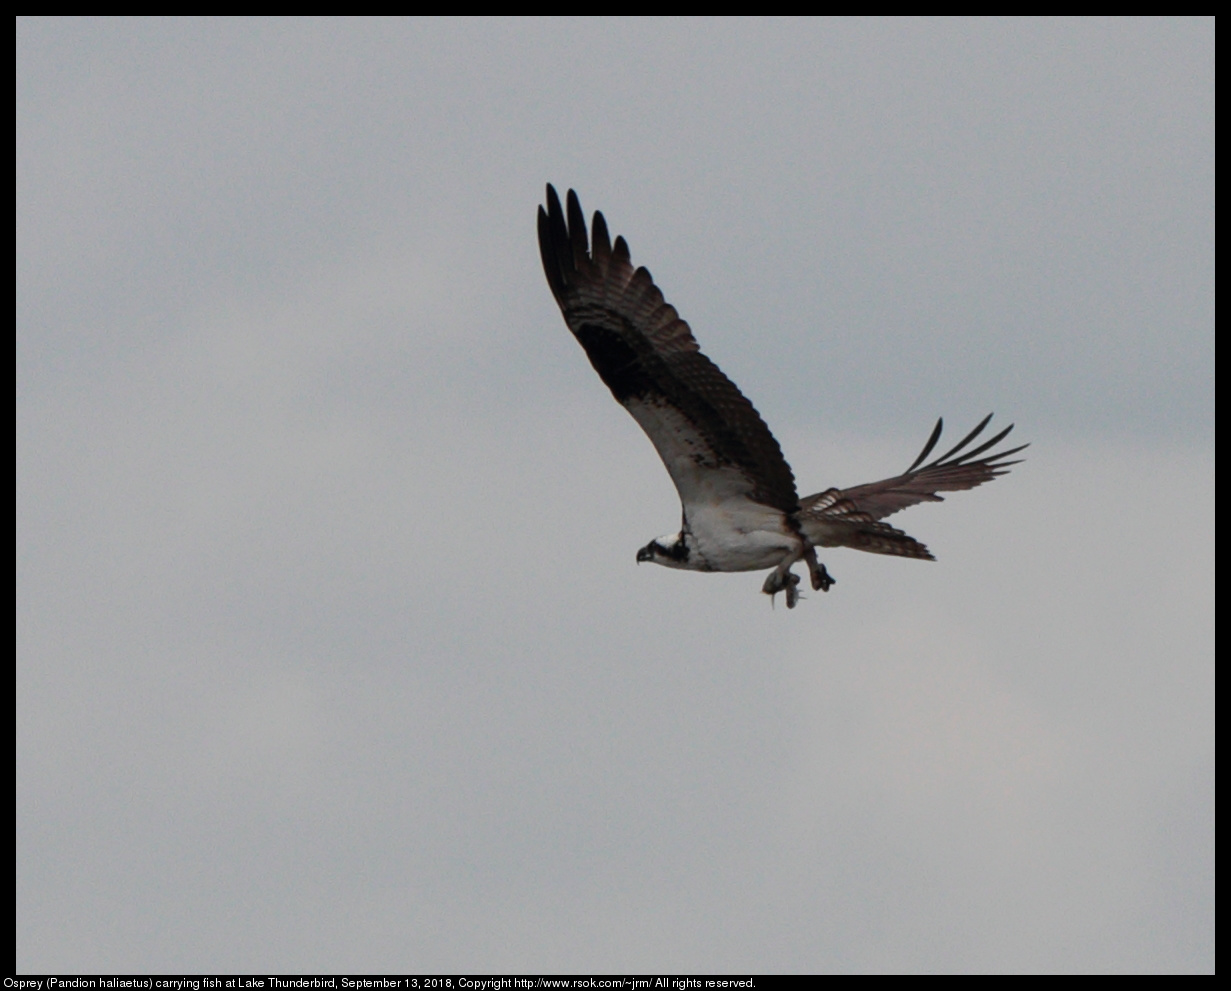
[739, 535]
[730, 531]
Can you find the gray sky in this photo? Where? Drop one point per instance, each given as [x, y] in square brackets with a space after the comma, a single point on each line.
[331, 647]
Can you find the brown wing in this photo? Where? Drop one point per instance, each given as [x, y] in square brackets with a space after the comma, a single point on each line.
[649, 359]
[953, 471]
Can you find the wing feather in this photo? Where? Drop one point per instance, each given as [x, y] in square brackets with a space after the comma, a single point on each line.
[953, 471]
[648, 357]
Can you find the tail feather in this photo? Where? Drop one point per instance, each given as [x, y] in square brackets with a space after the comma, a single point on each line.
[830, 520]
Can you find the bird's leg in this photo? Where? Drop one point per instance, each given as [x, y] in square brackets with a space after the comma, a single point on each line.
[821, 579]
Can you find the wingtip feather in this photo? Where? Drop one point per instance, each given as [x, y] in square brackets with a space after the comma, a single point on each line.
[931, 443]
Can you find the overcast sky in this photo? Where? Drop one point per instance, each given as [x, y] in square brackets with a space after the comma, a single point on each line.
[332, 651]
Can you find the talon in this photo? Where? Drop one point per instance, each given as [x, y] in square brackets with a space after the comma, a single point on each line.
[787, 583]
[782, 581]
[821, 579]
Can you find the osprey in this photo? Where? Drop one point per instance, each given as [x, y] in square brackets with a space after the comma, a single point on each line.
[741, 511]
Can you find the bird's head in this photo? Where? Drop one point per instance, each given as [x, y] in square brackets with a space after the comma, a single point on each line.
[670, 551]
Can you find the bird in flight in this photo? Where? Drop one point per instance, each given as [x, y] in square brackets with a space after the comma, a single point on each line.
[741, 511]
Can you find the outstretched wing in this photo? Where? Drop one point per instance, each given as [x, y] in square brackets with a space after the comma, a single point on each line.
[714, 443]
[953, 471]
[851, 517]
